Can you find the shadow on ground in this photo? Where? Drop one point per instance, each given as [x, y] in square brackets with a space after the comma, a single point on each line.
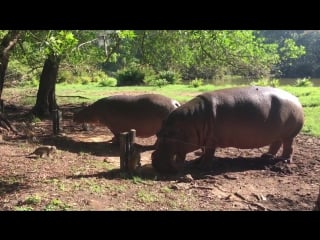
[105, 148]
[7, 187]
[220, 166]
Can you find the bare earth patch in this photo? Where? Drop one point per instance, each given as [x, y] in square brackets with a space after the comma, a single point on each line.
[84, 174]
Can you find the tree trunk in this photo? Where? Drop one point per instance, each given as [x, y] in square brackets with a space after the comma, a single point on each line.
[46, 97]
[8, 42]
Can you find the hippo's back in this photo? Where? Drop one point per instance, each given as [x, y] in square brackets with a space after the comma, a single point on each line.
[144, 113]
[248, 117]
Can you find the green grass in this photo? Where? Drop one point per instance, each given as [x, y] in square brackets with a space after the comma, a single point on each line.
[56, 205]
[309, 96]
[32, 200]
[146, 197]
[310, 100]
[23, 208]
[312, 119]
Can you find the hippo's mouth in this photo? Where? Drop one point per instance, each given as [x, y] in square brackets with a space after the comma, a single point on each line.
[165, 163]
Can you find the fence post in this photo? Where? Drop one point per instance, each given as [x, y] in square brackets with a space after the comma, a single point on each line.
[123, 150]
[134, 154]
[55, 121]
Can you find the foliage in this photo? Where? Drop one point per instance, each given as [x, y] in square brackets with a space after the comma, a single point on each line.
[32, 200]
[159, 82]
[56, 204]
[205, 53]
[65, 76]
[304, 82]
[150, 75]
[17, 73]
[129, 76]
[172, 77]
[266, 82]
[85, 80]
[109, 82]
[196, 82]
[193, 54]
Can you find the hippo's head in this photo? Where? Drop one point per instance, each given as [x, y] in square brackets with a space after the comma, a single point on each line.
[86, 115]
[170, 150]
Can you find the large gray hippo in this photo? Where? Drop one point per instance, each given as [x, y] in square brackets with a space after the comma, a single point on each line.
[120, 113]
[242, 117]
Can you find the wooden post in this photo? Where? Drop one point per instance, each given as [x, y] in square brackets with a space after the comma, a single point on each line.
[55, 121]
[1, 106]
[127, 144]
[133, 159]
[132, 136]
[132, 139]
[60, 120]
[123, 150]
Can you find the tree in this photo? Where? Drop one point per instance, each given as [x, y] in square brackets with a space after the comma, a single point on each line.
[290, 49]
[56, 45]
[207, 53]
[9, 40]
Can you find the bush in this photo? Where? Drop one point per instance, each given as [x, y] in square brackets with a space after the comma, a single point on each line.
[150, 75]
[303, 82]
[266, 82]
[159, 82]
[98, 76]
[66, 76]
[85, 80]
[196, 82]
[109, 82]
[170, 76]
[130, 76]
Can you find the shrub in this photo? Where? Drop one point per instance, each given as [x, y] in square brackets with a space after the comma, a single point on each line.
[303, 82]
[149, 75]
[274, 83]
[130, 76]
[85, 80]
[196, 82]
[66, 76]
[109, 82]
[266, 82]
[171, 77]
[98, 76]
[159, 82]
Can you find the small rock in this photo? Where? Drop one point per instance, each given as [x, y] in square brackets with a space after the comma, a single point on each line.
[186, 178]
[230, 177]
[174, 187]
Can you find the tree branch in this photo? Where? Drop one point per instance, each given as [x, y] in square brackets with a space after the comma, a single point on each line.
[85, 43]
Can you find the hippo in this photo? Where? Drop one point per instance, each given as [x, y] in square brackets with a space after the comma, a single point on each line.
[120, 113]
[241, 117]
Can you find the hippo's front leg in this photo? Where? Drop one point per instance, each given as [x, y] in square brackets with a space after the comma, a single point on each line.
[206, 161]
[178, 161]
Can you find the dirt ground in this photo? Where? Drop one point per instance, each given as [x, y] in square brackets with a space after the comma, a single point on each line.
[83, 174]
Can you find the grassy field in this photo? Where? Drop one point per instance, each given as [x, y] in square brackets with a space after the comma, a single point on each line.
[77, 93]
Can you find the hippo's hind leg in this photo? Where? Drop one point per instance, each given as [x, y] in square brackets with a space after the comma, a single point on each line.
[287, 152]
[273, 149]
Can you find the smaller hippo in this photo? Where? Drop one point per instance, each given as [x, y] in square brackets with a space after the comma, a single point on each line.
[242, 117]
[120, 113]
